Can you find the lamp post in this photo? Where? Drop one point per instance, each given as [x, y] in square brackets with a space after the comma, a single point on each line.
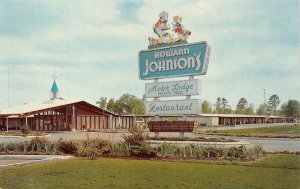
[73, 117]
[7, 124]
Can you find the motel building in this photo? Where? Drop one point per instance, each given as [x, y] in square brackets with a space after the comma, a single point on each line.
[236, 119]
[224, 119]
[58, 114]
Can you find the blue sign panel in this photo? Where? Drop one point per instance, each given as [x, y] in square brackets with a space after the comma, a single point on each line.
[180, 60]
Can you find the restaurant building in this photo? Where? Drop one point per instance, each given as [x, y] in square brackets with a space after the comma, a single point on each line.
[58, 114]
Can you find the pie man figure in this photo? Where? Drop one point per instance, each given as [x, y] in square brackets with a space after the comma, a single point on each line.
[161, 26]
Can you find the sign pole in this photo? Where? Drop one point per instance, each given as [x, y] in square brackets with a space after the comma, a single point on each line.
[156, 99]
[188, 97]
[184, 117]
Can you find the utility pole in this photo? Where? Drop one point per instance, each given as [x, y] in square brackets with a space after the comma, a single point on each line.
[264, 101]
[264, 96]
[8, 87]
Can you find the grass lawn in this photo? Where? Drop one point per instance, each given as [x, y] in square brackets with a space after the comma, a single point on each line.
[276, 171]
[287, 130]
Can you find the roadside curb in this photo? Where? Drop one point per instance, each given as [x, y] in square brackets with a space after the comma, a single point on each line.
[38, 136]
[9, 136]
[199, 143]
[31, 159]
[35, 157]
[245, 135]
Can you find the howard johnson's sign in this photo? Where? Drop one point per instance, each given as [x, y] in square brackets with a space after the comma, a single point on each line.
[180, 60]
[173, 107]
[173, 88]
[169, 55]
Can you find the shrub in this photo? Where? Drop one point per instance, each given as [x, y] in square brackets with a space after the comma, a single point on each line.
[237, 152]
[167, 150]
[22, 146]
[69, 127]
[51, 148]
[90, 152]
[211, 152]
[9, 147]
[92, 147]
[120, 149]
[138, 146]
[214, 152]
[142, 150]
[67, 146]
[34, 146]
[37, 144]
[135, 138]
[258, 150]
[102, 145]
[25, 129]
[189, 151]
[199, 151]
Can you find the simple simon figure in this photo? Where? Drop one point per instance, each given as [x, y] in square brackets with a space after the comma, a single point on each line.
[178, 28]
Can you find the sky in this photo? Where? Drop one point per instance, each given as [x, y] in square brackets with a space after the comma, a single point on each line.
[93, 47]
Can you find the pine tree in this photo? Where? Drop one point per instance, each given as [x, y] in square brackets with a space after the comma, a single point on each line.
[274, 101]
[241, 106]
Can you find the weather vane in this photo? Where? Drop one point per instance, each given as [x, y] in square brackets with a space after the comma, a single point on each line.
[54, 76]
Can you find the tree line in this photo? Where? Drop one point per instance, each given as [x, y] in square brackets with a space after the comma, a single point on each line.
[126, 104]
[130, 104]
[221, 106]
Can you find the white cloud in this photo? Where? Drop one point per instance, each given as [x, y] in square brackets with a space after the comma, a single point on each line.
[75, 46]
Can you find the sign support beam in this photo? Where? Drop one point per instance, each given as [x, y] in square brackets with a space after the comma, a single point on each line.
[188, 97]
[156, 99]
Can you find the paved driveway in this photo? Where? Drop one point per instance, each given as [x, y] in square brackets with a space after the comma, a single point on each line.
[269, 144]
